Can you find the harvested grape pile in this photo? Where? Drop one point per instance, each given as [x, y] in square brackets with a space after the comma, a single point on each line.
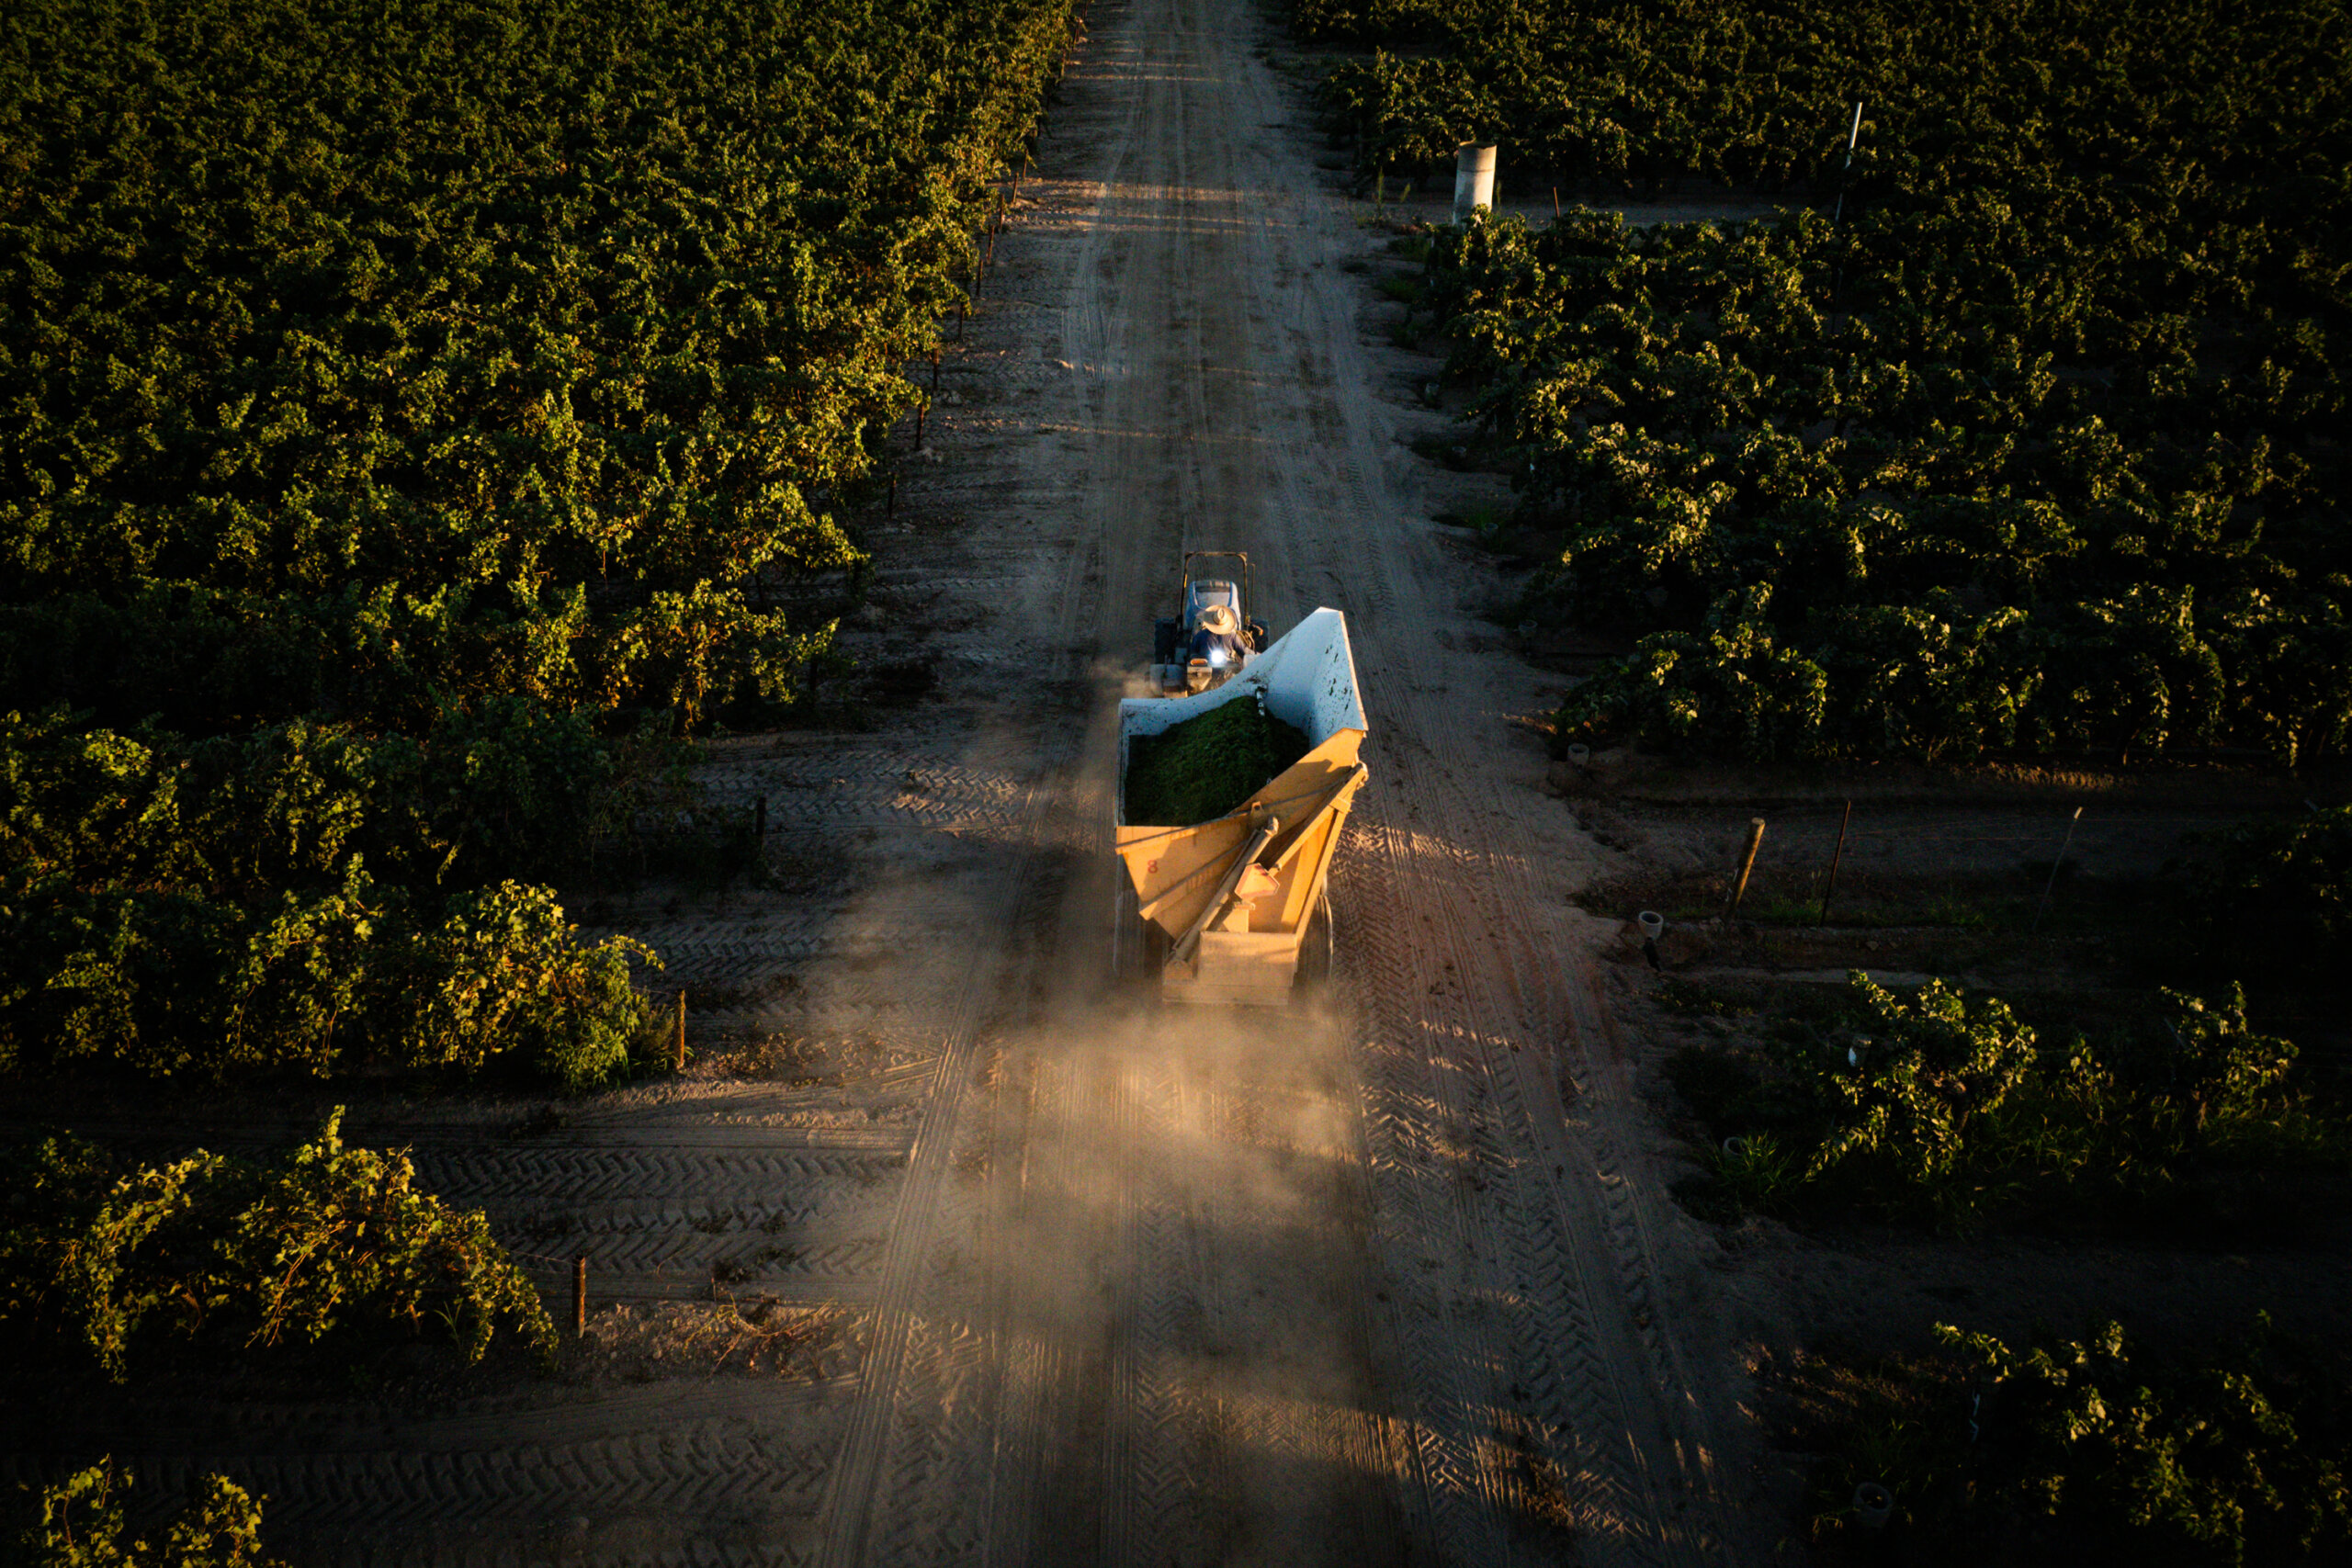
[1205, 767]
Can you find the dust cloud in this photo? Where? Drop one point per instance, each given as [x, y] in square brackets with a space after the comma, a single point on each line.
[1186, 1269]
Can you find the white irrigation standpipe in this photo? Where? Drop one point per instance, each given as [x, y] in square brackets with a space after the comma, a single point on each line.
[1473, 180]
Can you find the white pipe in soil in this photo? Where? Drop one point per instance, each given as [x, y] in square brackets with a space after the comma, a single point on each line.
[1473, 180]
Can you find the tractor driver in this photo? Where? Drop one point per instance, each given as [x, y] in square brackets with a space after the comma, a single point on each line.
[1219, 639]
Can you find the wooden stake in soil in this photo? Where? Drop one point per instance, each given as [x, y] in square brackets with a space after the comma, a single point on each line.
[678, 1042]
[1746, 865]
[2055, 867]
[934, 372]
[579, 1297]
[1838, 214]
[1835, 856]
[921, 409]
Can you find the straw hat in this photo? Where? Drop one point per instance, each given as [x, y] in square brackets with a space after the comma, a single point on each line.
[1217, 620]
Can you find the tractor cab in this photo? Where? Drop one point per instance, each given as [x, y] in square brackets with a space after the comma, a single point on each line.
[1211, 638]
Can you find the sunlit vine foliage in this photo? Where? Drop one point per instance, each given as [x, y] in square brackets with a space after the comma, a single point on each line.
[1922, 527]
[117, 1264]
[2041, 447]
[81, 1524]
[405, 410]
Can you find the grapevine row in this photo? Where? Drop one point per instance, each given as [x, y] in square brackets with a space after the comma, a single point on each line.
[403, 411]
[2038, 444]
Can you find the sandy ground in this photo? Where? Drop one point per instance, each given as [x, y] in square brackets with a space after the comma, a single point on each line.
[1070, 1277]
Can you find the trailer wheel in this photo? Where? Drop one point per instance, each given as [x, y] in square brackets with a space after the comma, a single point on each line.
[1137, 945]
[1126, 939]
[1317, 951]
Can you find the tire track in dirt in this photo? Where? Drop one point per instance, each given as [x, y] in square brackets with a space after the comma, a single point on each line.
[508, 1484]
[589, 1176]
[921, 1466]
[901, 1425]
[1575, 1457]
[1553, 1247]
[684, 1466]
[1490, 908]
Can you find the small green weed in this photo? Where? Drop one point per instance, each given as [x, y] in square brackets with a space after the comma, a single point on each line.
[1750, 1174]
[1486, 521]
[1700, 998]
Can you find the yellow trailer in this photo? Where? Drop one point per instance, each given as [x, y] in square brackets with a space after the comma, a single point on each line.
[1235, 909]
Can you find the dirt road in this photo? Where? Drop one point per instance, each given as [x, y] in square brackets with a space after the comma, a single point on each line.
[1090, 1282]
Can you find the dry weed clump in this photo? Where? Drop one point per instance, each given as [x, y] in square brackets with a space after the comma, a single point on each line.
[754, 1336]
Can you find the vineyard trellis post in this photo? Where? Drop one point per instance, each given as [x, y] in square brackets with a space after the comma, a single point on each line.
[1845, 170]
[1837, 212]
[1836, 856]
[1747, 865]
[2055, 867]
[579, 1297]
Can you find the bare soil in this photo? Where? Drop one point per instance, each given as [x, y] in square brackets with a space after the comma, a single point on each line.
[2046, 886]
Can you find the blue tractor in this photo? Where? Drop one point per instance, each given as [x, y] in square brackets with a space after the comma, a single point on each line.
[1211, 638]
